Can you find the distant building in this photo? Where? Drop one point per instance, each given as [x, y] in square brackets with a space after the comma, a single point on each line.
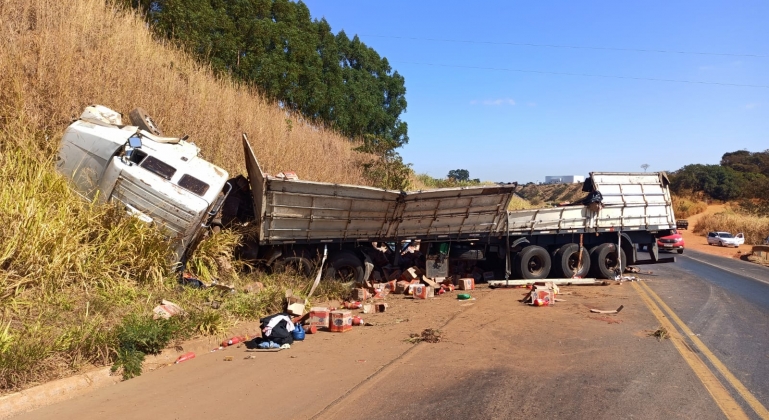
[564, 179]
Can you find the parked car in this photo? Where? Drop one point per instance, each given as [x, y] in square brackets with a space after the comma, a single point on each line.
[725, 239]
[682, 224]
[674, 242]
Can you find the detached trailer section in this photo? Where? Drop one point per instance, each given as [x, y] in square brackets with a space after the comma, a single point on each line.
[622, 209]
[467, 231]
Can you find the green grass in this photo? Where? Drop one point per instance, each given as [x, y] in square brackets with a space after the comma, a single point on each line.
[78, 281]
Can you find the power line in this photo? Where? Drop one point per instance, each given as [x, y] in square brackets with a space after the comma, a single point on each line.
[524, 44]
[607, 76]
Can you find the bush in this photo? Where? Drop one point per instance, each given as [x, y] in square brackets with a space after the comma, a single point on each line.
[138, 336]
[685, 207]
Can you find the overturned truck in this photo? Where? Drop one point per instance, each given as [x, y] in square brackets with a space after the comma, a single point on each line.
[367, 232]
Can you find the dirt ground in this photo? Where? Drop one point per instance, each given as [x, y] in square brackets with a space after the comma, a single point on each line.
[700, 243]
[369, 368]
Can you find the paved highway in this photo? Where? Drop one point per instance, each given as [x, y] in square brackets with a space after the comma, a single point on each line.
[499, 359]
[725, 303]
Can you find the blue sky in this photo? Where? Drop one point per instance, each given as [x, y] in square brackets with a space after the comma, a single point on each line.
[468, 109]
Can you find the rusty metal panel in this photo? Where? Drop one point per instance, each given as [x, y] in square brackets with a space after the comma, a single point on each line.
[304, 211]
[315, 211]
[452, 212]
[257, 184]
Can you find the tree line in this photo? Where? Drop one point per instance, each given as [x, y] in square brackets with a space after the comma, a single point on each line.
[741, 175]
[329, 79]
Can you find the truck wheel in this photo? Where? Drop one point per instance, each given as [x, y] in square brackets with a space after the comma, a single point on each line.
[298, 264]
[533, 262]
[566, 261]
[604, 261]
[346, 267]
[140, 119]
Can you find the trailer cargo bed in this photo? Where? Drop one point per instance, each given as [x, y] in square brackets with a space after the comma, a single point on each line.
[631, 201]
[295, 211]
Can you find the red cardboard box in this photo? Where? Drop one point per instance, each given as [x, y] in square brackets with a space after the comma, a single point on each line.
[423, 292]
[319, 317]
[542, 296]
[341, 321]
[466, 284]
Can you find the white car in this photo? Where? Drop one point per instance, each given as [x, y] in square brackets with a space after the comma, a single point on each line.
[725, 239]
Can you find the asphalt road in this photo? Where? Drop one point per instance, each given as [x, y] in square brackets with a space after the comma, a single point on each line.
[725, 302]
[499, 359]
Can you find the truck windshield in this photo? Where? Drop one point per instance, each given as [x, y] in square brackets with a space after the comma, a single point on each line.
[158, 167]
[190, 183]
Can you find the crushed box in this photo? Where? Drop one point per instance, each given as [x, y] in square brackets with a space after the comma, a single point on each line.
[542, 296]
[360, 294]
[401, 286]
[294, 304]
[341, 321]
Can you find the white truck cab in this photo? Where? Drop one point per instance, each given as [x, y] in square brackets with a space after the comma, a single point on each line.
[161, 180]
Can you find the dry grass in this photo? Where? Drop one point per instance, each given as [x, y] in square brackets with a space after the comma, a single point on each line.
[518, 203]
[55, 60]
[71, 272]
[755, 228]
[685, 207]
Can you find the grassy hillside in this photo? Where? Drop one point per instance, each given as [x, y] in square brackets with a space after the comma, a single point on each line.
[55, 60]
[77, 281]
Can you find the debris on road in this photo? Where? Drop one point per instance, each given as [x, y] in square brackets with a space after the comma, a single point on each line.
[341, 321]
[185, 357]
[428, 335]
[542, 294]
[616, 311]
[661, 333]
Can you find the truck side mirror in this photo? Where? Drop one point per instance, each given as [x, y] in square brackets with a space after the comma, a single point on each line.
[135, 142]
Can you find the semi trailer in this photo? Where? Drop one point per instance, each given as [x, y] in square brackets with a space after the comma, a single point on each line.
[367, 232]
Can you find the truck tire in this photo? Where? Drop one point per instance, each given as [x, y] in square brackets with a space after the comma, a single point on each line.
[297, 263]
[532, 262]
[346, 267]
[140, 119]
[604, 261]
[566, 260]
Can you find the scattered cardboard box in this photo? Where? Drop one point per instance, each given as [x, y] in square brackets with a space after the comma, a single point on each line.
[295, 304]
[410, 274]
[423, 292]
[467, 283]
[341, 321]
[430, 283]
[320, 317]
[401, 286]
[380, 307]
[541, 296]
[360, 294]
